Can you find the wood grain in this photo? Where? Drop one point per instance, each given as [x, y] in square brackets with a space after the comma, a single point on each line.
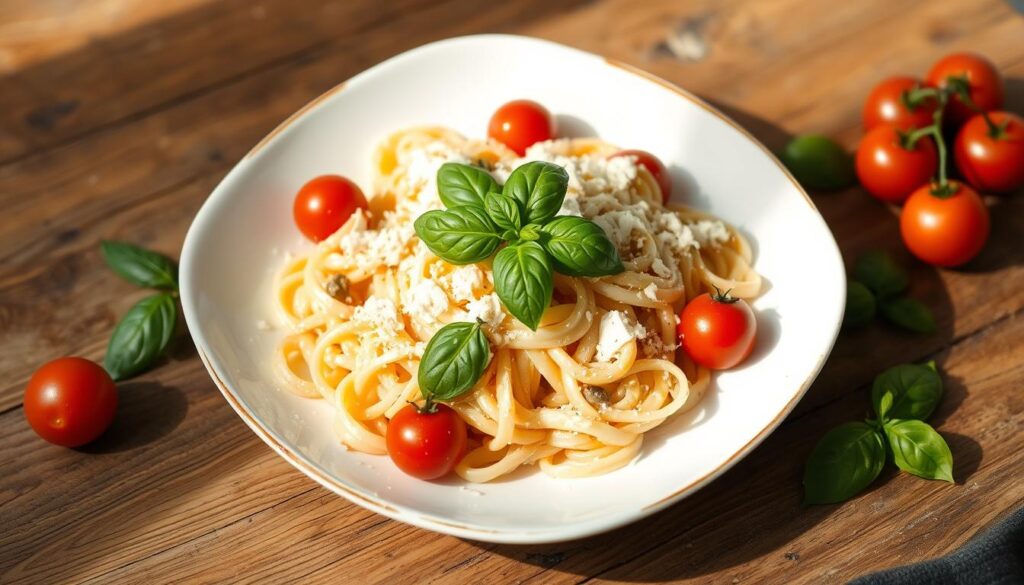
[118, 119]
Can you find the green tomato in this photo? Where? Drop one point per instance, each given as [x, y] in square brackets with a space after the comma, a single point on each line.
[819, 162]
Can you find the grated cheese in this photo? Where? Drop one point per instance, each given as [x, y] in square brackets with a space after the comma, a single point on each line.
[487, 309]
[426, 300]
[616, 329]
[379, 313]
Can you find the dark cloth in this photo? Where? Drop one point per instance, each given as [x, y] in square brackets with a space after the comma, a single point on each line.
[992, 557]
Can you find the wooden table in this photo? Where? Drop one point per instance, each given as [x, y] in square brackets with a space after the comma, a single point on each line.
[118, 117]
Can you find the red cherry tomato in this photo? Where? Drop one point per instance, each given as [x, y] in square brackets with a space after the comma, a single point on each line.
[886, 104]
[426, 445]
[70, 401]
[654, 166]
[945, 231]
[717, 331]
[986, 85]
[992, 161]
[888, 170]
[520, 124]
[324, 204]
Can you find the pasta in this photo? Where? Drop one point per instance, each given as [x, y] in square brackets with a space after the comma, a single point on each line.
[574, 397]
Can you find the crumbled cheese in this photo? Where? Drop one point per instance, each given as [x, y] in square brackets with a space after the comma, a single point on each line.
[379, 313]
[487, 309]
[570, 206]
[465, 281]
[588, 175]
[708, 231]
[369, 248]
[425, 300]
[651, 291]
[616, 329]
[421, 166]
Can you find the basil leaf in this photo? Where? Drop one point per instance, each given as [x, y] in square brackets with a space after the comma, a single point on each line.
[909, 391]
[539, 187]
[860, 305]
[909, 314]
[524, 282]
[844, 462]
[453, 361]
[530, 233]
[880, 273]
[141, 336]
[460, 235]
[139, 266]
[579, 247]
[459, 184]
[918, 449]
[503, 211]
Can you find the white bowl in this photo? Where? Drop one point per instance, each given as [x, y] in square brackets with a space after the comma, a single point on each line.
[240, 235]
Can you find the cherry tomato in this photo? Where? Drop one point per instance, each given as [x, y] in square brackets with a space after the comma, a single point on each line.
[520, 124]
[717, 331]
[654, 166]
[886, 104]
[945, 231]
[888, 170]
[70, 401]
[986, 85]
[992, 161]
[426, 445]
[324, 204]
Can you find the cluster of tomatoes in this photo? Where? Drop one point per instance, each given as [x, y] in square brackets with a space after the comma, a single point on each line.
[902, 157]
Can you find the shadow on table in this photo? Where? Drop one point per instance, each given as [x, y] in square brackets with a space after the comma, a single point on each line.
[146, 411]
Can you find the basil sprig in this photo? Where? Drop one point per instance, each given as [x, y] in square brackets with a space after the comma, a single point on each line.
[482, 217]
[453, 361]
[143, 334]
[848, 458]
[877, 286]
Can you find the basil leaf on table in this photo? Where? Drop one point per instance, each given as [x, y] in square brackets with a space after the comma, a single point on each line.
[141, 336]
[453, 361]
[909, 314]
[880, 273]
[539, 187]
[908, 391]
[459, 184]
[460, 235]
[860, 305]
[579, 247]
[918, 449]
[844, 462]
[139, 266]
[523, 279]
[503, 211]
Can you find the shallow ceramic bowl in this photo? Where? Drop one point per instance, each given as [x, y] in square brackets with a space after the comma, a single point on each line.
[240, 235]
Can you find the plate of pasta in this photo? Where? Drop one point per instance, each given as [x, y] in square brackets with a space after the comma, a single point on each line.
[511, 291]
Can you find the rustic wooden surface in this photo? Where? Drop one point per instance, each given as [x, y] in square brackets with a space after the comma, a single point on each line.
[118, 117]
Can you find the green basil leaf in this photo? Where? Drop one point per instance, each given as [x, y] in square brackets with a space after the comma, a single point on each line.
[453, 361]
[460, 235]
[503, 211]
[911, 391]
[579, 247]
[139, 266]
[880, 273]
[918, 449]
[909, 314]
[539, 187]
[141, 336]
[860, 305]
[844, 462]
[459, 184]
[523, 279]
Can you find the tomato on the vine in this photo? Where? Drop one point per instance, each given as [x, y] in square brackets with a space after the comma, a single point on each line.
[324, 204]
[717, 331]
[424, 444]
[70, 401]
[992, 158]
[654, 166]
[945, 230]
[888, 169]
[887, 104]
[521, 123]
[984, 81]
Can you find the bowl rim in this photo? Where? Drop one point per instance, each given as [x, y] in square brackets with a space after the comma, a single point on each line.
[568, 531]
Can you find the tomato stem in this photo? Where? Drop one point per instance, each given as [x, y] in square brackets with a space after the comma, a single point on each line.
[961, 86]
[721, 297]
